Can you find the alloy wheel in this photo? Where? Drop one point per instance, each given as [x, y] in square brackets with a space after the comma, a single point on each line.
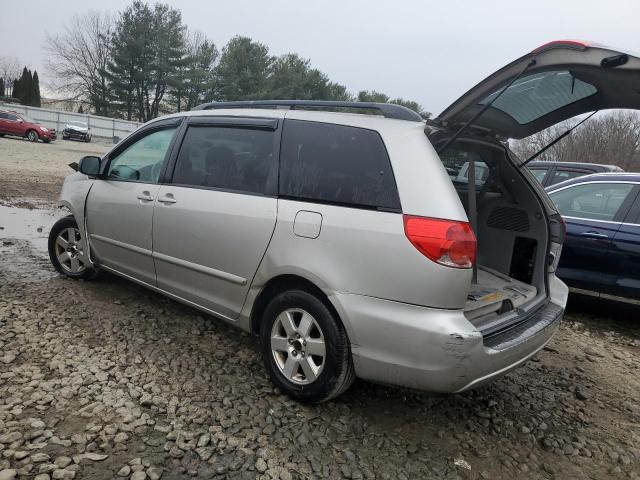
[298, 346]
[68, 249]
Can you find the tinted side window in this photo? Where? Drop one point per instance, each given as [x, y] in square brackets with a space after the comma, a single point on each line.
[3, 115]
[227, 158]
[594, 201]
[336, 164]
[10, 116]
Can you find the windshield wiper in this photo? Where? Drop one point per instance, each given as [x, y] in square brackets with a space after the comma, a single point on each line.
[553, 142]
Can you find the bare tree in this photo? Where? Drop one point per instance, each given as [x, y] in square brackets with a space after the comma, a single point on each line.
[10, 70]
[78, 59]
[609, 137]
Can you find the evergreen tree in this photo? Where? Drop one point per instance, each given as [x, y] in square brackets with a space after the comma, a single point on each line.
[80, 110]
[36, 100]
[16, 89]
[22, 87]
[148, 49]
[26, 87]
[1, 87]
[242, 73]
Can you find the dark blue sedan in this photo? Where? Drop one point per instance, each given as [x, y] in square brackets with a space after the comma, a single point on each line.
[601, 253]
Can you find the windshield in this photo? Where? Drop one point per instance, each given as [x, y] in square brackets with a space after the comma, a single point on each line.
[77, 124]
[27, 119]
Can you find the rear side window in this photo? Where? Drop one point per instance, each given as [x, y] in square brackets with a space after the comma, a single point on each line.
[562, 175]
[336, 164]
[539, 173]
[593, 201]
[238, 159]
[458, 162]
[3, 115]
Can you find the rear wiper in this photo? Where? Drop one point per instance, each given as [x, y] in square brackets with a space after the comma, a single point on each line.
[556, 140]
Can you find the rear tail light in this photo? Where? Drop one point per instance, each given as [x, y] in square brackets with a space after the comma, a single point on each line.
[446, 242]
[558, 228]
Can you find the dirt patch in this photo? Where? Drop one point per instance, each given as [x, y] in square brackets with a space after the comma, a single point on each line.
[36, 170]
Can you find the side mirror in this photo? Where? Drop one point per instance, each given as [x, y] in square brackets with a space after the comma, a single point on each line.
[89, 165]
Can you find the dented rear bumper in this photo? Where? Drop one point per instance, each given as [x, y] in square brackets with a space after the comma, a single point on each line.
[438, 350]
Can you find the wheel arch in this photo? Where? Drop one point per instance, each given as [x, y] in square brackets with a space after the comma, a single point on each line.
[283, 283]
[29, 130]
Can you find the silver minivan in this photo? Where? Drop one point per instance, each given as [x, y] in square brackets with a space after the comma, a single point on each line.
[350, 243]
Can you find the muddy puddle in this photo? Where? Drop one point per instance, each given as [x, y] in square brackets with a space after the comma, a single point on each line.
[34, 224]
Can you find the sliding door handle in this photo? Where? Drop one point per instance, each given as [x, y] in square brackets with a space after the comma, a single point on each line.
[167, 199]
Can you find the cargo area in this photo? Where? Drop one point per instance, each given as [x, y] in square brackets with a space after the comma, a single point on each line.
[511, 231]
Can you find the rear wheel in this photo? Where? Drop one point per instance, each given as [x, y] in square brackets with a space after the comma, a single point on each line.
[305, 348]
[66, 251]
[32, 136]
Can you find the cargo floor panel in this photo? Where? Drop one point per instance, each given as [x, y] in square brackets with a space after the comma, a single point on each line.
[495, 294]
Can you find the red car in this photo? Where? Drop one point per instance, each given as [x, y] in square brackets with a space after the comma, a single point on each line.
[13, 123]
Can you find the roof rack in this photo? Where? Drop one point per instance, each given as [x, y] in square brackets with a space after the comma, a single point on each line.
[389, 110]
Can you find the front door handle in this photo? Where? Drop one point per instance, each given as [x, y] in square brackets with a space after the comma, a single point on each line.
[594, 235]
[168, 198]
[145, 197]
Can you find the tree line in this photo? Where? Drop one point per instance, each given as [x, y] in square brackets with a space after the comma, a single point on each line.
[611, 138]
[23, 89]
[144, 62]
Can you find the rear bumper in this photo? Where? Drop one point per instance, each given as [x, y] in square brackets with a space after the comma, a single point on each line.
[439, 350]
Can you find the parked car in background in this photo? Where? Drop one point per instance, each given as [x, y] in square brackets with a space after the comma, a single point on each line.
[77, 131]
[550, 173]
[18, 125]
[601, 253]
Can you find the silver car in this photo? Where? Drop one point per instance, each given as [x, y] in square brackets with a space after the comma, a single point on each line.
[350, 244]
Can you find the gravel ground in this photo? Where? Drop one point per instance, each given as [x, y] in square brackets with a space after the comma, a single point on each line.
[36, 170]
[105, 379]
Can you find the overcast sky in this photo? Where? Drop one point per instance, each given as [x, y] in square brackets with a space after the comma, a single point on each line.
[423, 50]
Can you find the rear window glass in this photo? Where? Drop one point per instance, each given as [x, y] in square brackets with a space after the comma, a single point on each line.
[534, 96]
[336, 164]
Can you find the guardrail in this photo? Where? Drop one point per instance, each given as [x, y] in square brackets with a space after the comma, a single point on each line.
[104, 127]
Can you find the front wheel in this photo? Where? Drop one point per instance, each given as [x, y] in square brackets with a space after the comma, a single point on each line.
[66, 252]
[32, 136]
[305, 348]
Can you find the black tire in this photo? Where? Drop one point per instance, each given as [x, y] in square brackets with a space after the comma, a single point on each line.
[32, 136]
[337, 373]
[87, 139]
[47, 141]
[62, 227]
